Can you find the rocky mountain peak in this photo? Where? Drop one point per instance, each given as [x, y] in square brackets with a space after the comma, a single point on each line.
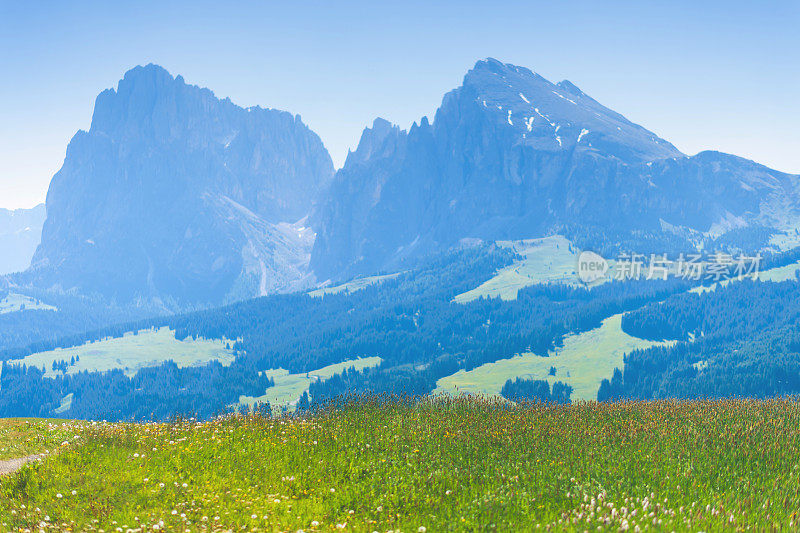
[552, 116]
[176, 194]
[511, 155]
[374, 141]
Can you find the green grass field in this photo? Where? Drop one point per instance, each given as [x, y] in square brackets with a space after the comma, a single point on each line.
[777, 274]
[784, 273]
[18, 302]
[353, 286]
[583, 362]
[787, 240]
[24, 436]
[448, 465]
[132, 352]
[546, 260]
[290, 387]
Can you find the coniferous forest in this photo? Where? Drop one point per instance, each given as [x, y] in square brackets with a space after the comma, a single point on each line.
[410, 322]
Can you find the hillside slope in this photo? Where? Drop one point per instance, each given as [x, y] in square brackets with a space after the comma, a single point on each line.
[466, 465]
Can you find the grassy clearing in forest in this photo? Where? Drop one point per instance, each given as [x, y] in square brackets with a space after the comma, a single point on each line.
[131, 352]
[546, 260]
[433, 465]
[354, 285]
[19, 302]
[289, 388]
[583, 361]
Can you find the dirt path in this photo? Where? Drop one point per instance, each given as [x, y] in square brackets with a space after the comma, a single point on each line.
[12, 465]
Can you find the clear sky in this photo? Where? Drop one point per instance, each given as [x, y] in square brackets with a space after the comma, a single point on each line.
[713, 74]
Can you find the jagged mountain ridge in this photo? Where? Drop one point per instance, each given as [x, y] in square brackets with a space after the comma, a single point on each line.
[510, 155]
[176, 195]
[149, 201]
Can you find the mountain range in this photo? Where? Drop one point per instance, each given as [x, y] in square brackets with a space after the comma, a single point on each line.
[179, 197]
[510, 155]
[177, 203]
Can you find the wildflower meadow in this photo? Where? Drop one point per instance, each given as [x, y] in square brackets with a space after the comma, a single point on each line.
[382, 464]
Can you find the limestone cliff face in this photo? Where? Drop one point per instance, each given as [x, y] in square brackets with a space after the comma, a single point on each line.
[176, 194]
[510, 155]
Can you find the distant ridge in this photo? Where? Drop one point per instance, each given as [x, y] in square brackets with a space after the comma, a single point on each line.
[20, 231]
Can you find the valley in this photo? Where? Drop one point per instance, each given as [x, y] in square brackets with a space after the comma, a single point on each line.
[585, 359]
[582, 358]
[324, 267]
[258, 274]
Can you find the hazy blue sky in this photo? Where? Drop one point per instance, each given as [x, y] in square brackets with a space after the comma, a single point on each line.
[702, 74]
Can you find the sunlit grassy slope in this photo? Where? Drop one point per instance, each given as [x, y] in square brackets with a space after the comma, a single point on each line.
[550, 259]
[132, 352]
[290, 387]
[353, 286]
[18, 302]
[583, 362]
[788, 239]
[456, 465]
[784, 273]
[777, 274]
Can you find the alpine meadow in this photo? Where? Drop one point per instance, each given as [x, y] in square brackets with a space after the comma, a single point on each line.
[525, 311]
